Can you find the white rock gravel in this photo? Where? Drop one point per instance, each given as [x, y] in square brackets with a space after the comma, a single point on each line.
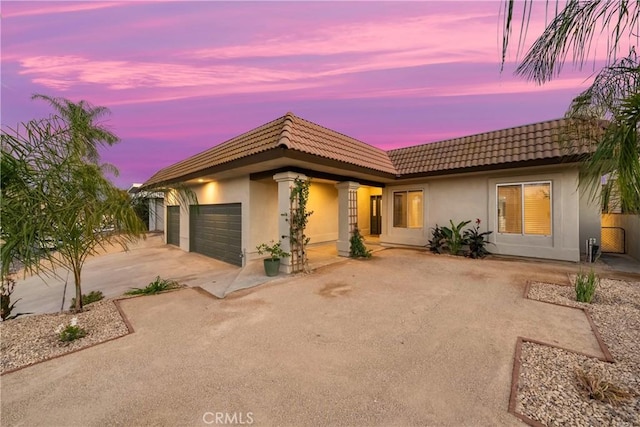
[547, 389]
[31, 339]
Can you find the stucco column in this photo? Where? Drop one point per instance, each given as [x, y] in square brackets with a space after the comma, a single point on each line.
[285, 182]
[347, 215]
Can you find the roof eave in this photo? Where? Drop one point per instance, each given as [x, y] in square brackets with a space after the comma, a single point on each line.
[494, 167]
[271, 154]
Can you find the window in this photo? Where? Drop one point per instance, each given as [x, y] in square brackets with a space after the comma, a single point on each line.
[525, 208]
[407, 209]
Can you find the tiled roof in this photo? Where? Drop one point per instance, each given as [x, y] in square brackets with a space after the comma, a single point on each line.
[534, 142]
[290, 131]
[539, 142]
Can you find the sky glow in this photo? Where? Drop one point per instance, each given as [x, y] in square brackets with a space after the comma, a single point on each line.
[180, 77]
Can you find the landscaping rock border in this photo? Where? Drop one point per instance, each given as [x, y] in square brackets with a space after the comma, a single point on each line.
[32, 339]
[544, 391]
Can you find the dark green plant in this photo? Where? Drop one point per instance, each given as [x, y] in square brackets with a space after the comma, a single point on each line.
[436, 244]
[357, 248]
[274, 250]
[70, 332]
[6, 306]
[155, 287]
[453, 236]
[586, 285]
[93, 296]
[477, 241]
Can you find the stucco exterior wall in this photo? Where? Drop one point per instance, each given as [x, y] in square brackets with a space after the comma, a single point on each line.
[264, 213]
[474, 196]
[564, 241]
[590, 218]
[260, 213]
[323, 201]
[227, 191]
[405, 236]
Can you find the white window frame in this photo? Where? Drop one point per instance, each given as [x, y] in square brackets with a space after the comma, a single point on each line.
[522, 184]
[393, 197]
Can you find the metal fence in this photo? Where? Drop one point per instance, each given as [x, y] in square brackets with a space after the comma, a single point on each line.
[612, 240]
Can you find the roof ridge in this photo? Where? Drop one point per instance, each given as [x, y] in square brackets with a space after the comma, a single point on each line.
[285, 133]
[293, 117]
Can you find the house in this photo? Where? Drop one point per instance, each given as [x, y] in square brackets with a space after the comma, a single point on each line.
[520, 182]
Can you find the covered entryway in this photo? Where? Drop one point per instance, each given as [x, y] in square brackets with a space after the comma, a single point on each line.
[216, 231]
[173, 225]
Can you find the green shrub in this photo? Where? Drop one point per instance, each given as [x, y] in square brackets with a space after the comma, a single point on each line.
[155, 287]
[93, 296]
[586, 285]
[453, 238]
[357, 248]
[274, 249]
[70, 332]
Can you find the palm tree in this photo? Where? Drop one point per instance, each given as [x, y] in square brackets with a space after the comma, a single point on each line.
[613, 96]
[86, 132]
[56, 203]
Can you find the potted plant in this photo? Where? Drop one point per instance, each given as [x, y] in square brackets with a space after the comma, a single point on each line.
[272, 264]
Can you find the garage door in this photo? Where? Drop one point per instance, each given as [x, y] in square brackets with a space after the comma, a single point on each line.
[216, 231]
[173, 225]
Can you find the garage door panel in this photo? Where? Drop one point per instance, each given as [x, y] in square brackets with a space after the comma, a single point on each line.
[216, 231]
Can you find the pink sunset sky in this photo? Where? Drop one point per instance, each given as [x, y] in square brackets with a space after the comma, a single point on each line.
[181, 77]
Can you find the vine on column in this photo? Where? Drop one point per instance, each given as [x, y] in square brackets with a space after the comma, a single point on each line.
[298, 219]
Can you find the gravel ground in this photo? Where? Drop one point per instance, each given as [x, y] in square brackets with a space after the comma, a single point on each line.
[31, 339]
[546, 386]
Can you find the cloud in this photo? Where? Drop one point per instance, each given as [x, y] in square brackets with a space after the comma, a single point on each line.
[327, 61]
[431, 33]
[464, 89]
[62, 72]
[14, 9]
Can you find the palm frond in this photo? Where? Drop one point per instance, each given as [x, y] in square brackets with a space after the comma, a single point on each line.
[87, 132]
[572, 34]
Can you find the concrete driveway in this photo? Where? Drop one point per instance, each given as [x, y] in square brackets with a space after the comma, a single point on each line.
[117, 271]
[405, 338]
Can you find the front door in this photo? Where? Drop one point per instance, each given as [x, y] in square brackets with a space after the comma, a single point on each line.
[376, 218]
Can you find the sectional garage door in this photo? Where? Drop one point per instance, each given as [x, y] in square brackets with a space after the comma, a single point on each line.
[216, 231]
[173, 225]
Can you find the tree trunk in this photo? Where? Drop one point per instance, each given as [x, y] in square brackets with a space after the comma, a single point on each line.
[76, 275]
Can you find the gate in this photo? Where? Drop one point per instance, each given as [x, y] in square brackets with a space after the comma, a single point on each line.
[612, 240]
